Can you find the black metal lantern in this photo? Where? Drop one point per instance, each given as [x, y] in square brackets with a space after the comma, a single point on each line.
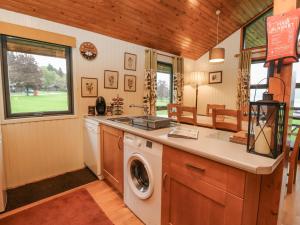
[266, 127]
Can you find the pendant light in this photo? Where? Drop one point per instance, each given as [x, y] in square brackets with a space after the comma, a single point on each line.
[217, 54]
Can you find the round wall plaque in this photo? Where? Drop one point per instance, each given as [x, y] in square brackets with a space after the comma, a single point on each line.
[88, 50]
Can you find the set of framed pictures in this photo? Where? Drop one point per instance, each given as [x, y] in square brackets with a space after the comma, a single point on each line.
[111, 81]
[89, 86]
[111, 78]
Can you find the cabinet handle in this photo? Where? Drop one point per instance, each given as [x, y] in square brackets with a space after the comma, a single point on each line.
[119, 143]
[164, 180]
[190, 166]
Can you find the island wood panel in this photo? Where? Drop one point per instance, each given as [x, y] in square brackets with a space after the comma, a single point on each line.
[180, 27]
[192, 193]
[197, 169]
[251, 199]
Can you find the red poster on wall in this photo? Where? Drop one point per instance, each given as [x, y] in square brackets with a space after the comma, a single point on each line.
[282, 39]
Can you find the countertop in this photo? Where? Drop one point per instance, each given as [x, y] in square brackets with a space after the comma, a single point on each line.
[211, 144]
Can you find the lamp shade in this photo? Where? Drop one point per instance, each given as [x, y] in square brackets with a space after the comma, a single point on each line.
[198, 78]
[217, 55]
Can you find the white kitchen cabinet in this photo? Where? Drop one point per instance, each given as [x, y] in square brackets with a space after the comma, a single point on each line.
[91, 151]
[3, 196]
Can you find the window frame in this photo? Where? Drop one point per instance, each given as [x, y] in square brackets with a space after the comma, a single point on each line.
[258, 86]
[297, 86]
[248, 24]
[161, 108]
[5, 83]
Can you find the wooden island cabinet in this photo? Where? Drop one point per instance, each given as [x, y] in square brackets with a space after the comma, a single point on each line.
[201, 191]
[112, 156]
[198, 191]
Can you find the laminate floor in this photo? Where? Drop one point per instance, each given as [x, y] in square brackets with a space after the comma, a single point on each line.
[112, 204]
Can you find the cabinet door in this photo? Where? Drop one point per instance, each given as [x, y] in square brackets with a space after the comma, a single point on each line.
[190, 195]
[186, 204]
[112, 156]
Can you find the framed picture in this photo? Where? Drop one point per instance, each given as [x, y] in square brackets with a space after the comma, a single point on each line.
[130, 61]
[215, 77]
[111, 79]
[89, 87]
[129, 83]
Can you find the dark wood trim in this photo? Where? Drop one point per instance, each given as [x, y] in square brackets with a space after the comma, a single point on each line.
[127, 53]
[88, 78]
[209, 82]
[127, 75]
[171, 85]
[258, 15]
[6, 99]
[249, 22]
[105, 79]
[170, 56]
[6, 94]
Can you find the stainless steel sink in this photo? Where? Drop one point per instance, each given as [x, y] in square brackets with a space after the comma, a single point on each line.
[153, 122]
[126, 120]
[144, 122]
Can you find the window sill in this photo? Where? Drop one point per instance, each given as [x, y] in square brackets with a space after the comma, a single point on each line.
[38, 119]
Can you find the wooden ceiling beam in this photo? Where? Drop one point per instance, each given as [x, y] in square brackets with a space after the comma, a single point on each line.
[176, 26]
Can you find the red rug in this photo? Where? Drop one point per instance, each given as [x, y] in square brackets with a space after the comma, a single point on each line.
[76, 208]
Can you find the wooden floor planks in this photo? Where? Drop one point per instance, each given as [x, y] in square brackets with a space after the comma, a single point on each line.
[112, 204]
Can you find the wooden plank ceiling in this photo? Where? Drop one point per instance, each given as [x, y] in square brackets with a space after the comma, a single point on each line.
[182, 27]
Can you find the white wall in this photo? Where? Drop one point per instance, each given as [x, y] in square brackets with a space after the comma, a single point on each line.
[35, 149]
[224, 93]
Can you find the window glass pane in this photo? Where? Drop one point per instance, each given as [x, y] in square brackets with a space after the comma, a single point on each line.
[255, 32]
[296, 70]
[297, 98]
[256, 96]
[258, 72]
[163, 93]
[37, 77]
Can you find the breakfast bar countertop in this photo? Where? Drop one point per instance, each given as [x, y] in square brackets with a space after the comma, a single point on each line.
[211, 144]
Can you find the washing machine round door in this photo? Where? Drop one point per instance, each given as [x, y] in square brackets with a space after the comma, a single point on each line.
[140, 176]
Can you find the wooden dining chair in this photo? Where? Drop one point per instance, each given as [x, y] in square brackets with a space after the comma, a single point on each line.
[235, 125]
[187, 115]
[210, 107]
[293, 161]
[173, 111]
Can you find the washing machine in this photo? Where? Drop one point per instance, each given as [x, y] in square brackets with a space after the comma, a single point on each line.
[142, 178]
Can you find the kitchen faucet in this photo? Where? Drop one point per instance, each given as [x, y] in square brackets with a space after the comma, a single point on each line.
[140, 106]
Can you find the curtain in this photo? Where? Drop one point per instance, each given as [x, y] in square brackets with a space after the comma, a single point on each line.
[243, 85]
[150, 81]
[178, 79]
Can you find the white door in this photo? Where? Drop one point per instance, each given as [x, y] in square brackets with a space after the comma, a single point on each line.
[2, 179]
[92, 148]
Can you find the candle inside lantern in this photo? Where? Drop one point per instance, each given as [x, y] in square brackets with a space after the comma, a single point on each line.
[262, 141]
